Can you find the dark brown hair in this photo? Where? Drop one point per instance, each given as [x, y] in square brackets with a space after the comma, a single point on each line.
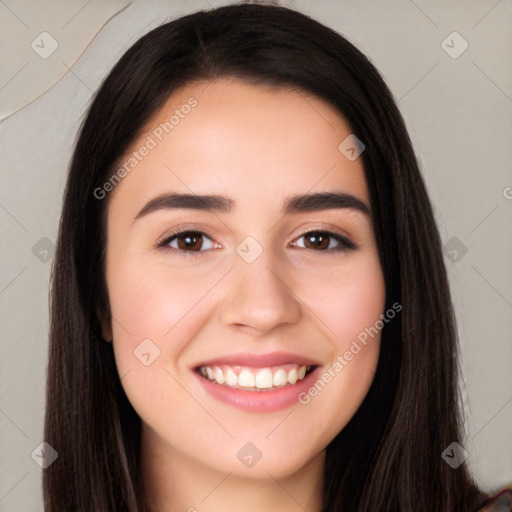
[388, 457]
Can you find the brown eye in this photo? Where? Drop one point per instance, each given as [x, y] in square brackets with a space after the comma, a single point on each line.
[188, 241]
[321, 241]
[316, 241]
[192, 241]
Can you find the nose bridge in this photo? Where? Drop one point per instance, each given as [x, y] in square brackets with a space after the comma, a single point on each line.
[257, 294]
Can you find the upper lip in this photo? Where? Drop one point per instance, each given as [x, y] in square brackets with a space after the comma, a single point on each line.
[259, 360]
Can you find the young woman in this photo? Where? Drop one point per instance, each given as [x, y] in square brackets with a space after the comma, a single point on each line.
[249, 305]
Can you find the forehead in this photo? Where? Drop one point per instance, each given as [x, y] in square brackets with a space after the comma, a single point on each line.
[254, 143]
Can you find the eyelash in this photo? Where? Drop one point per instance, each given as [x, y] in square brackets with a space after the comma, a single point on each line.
[345, 243]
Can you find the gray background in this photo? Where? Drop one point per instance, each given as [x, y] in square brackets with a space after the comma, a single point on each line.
[459, 115]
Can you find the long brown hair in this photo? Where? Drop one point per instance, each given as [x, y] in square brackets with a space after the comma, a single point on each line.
[388, 457]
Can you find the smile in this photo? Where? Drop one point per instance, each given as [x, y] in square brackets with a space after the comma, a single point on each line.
[257, 383]
[255, 379]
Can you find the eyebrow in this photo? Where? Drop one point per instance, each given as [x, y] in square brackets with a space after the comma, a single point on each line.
[222, 204]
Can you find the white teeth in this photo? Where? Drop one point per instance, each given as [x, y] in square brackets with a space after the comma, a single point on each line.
[259, 379]
[280, 378]
[246, 379]
[292, 376]
[231, 377]
[264, 378]
[218, 375]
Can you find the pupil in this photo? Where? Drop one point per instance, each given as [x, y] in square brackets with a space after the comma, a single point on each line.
[318, 240]
[190, 241]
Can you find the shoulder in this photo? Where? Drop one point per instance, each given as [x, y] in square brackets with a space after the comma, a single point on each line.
[498, 501]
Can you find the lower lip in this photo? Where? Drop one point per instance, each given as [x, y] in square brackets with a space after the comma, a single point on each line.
[259, 401]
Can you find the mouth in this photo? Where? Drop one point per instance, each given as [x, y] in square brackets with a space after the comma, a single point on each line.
[257, 383]
[269, 378]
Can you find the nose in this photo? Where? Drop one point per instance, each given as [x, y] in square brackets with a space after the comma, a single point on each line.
[258, 297]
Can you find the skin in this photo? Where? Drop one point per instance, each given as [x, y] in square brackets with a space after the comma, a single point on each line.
[257, 146]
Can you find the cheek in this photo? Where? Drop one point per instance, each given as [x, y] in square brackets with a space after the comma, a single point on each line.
[349, 304]
[358, 301]
[156, 312]
[150, 300]
[346, 300]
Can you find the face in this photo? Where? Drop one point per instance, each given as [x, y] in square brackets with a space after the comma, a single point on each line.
[235, 318]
